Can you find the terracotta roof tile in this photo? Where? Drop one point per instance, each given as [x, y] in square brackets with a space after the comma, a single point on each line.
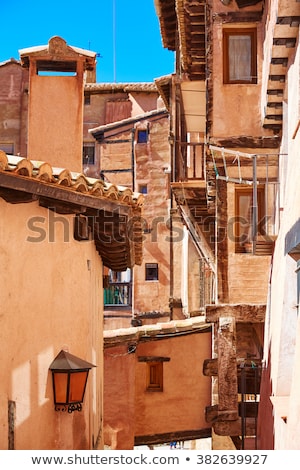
[120, 243]
[62, 176]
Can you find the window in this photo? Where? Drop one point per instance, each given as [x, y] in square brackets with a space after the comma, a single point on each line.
[142, 136]
[143, 189]
[154, 372]
[154, 377]
[244, 216]
[87, 99]
[88, 153]
[151, 272]
[239, 56]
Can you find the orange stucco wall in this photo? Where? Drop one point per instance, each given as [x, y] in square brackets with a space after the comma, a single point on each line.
[50, 299]
[119, 398]
[138, 412]
[56, 120]
[151, 160]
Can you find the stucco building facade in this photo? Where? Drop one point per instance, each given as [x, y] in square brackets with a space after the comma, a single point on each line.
[228, 128]
[279, 409]
[131, 148]
[154, 373]
[229, 96]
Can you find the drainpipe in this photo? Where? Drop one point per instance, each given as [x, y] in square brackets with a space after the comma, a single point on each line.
[172, 209]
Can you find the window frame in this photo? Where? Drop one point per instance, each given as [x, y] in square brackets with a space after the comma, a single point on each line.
[142, 132]
[154, 377]
[151, 266]
[242, 191]
[7, 147]
[87, 99]
[143, 188]
[252, 33]
[90, 160]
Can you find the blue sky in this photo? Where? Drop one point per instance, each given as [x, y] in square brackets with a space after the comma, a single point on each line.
[124, 32]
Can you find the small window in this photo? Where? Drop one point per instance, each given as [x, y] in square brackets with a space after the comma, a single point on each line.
[88, 154]
[239, 55]
[87, 99]
[7, 147]
[244, 216]
[143, 189]
[151, 272]
[154, 377]
[142, 136]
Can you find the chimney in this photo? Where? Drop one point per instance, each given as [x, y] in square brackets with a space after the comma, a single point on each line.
[55, 107]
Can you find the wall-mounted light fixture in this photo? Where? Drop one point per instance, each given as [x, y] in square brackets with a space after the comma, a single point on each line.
[69, 378]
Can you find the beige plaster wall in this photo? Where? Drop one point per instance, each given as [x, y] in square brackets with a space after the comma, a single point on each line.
[50, 299]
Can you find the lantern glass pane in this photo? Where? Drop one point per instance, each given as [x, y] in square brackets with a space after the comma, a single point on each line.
[60, 386]
[77, 386]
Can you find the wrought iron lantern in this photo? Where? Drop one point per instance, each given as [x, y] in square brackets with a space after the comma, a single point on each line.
[69, 378]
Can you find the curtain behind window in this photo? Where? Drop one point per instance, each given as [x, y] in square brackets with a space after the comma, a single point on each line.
[239, 57]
